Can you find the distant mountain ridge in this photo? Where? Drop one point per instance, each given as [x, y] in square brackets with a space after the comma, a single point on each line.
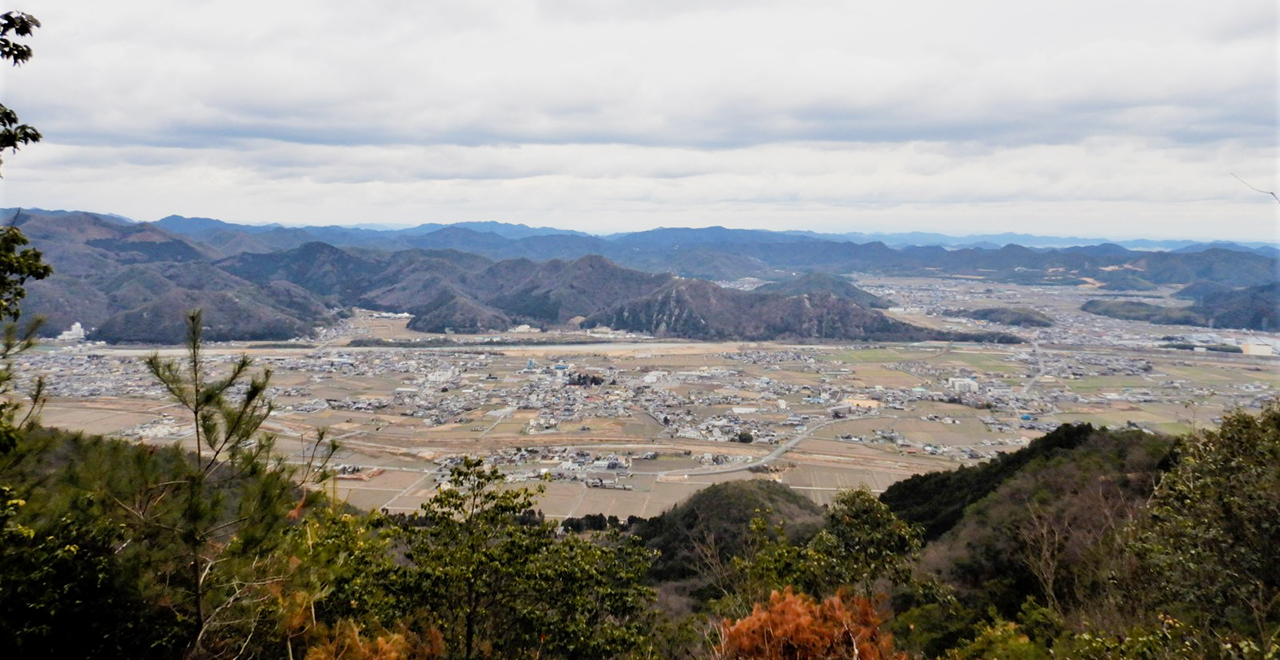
[193, 226]
[129, 282]
[1037, 241]
[445, 294]
[280, 281]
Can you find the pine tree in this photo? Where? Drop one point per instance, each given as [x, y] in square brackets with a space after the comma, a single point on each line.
[215, 519]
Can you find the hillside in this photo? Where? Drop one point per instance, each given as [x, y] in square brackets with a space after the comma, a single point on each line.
[720, 514]
[495, 295]
[1124, 281]
[459, 278]
[118, 279]
[1131, 310]
[816, 283]
[1198, 291]
[229, 315]
[1007, 316]
[720, 253]
[1253, 308]
[447, 289]
[697, 309]
[1083, 480]
[937, 501]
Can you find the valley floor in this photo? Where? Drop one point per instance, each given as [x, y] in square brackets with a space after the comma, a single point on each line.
[625, 426]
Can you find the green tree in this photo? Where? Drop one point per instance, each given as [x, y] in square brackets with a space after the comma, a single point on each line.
[341, 567]
[15, 25]
[498, 583]
[17, 417]
[1211, 543]
[64, 592]
[1000, 640]
[17, 262]
[864, 544]
[211, 520]
[772, 562]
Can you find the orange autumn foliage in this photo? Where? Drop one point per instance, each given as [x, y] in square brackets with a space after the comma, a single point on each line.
[345, 642]
[796, 627]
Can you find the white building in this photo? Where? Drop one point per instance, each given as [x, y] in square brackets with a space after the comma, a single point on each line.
[1248, 349]
[76, 333]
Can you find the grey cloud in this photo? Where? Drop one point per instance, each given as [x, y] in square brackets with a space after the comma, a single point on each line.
[403, 92]
[648, 110]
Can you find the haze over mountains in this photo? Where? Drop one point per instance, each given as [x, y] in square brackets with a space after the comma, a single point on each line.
[212, 231]
[125, 279]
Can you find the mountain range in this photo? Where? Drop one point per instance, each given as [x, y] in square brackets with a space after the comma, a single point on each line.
[125, 280]
[378, 233]
[725, 254]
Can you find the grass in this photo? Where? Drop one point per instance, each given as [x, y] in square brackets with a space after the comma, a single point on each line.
[982, 362]
[881, 355]
[1097, 383]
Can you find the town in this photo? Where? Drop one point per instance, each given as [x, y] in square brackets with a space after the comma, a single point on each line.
[622, 425]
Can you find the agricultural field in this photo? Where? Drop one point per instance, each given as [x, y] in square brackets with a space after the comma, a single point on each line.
[631, 427]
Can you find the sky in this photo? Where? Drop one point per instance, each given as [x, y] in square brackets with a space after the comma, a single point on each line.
[1086, 118]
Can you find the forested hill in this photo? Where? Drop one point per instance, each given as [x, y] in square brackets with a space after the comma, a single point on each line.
[719, 253]
[123, 281]
[1251, 308]
[820, 283]
[114, 276]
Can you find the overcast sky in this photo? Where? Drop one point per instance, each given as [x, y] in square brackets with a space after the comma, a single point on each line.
[1087, 118]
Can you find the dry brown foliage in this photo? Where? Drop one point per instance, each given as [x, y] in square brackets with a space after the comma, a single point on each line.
[796, 627]
[345, 642]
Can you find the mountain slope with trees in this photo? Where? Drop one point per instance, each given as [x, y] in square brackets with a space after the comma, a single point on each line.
[1250, 308]
[1007, 316]
[698, 309]
[817, 283]
[122, 277]
[467, 280]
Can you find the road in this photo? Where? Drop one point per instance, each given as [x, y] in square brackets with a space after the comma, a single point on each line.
[1040, 372]
[502, 414]
[739, 467]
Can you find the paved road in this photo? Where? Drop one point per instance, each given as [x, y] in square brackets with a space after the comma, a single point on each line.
[1040, 359]
[739, 467]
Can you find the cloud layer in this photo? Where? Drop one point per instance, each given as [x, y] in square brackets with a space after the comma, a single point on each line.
[1102, 118]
